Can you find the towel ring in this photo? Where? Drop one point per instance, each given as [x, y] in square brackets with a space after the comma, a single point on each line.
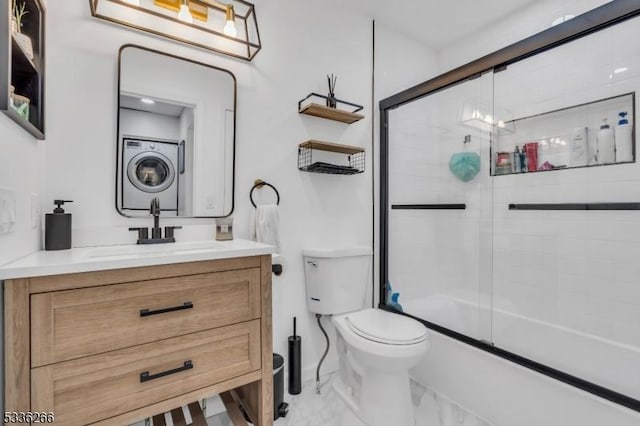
[259, 184]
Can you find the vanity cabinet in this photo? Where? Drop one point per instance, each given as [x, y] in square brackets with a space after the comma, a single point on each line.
[114, 347]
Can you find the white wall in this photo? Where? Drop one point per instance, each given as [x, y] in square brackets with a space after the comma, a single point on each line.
[300, 48]
[527, 21]
[400, 63]
[23, 171]
[149, 125]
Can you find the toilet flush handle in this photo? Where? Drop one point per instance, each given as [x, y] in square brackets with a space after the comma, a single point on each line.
[313, 263]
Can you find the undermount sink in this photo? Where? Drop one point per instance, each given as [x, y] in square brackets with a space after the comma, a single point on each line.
[153, 250]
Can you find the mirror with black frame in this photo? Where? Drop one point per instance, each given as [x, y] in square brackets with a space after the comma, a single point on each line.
[176, 135]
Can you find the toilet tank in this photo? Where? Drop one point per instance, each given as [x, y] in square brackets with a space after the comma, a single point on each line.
[337, 279]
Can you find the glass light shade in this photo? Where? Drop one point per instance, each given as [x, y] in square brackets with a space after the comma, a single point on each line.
[230, 29]
[184, 15]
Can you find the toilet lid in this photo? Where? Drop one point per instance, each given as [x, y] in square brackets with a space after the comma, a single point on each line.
[384, 327]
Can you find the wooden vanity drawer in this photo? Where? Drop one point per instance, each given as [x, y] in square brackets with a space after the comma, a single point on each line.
[102, 386]
[71, 324]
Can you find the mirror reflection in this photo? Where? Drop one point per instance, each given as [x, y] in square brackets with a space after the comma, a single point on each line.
[176, 136]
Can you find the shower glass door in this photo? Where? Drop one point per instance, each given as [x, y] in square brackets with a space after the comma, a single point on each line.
[566, 239]
[439, 212]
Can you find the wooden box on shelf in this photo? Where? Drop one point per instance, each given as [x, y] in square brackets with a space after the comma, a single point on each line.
[22, 51]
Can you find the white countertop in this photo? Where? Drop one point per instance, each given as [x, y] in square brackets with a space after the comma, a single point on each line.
[87, 259]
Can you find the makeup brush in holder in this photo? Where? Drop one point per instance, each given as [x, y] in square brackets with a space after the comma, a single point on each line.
[331, 98]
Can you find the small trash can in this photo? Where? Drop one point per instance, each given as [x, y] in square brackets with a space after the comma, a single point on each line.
[280, 408]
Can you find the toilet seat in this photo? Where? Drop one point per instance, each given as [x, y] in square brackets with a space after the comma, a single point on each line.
[387, 328]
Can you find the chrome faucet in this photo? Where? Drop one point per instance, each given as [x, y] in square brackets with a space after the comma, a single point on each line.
[156, 231]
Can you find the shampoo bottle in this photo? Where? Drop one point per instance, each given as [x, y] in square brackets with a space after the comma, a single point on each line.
[606, 144]
[523, 161]
[578, 150]
[624, 139]
[517, 165]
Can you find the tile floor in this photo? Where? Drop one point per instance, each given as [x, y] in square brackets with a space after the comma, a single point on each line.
[327, 409]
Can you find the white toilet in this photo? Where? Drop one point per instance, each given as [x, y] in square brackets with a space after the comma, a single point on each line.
[376, 346]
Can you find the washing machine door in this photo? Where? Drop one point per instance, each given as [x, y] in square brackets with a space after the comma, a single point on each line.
[151, 172]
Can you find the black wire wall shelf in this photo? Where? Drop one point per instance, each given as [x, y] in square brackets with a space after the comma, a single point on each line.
[330, 158]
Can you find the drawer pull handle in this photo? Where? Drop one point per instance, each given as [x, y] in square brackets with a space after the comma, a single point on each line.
[145, 376]
[147, 312]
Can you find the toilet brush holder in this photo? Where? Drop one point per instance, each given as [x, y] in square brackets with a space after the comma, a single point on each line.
[295, 362]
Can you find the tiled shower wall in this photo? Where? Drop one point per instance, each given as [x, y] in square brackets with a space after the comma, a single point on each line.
[572, 271]
[439, 252]
[575, 269]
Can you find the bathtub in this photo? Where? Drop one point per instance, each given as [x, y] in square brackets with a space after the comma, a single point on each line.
[604, 362]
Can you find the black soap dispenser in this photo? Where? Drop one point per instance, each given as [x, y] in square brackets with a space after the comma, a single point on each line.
[57, 228]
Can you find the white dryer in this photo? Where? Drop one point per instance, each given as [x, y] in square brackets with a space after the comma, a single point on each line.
[149, 170]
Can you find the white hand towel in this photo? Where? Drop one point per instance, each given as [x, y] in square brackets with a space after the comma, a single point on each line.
[265, 225]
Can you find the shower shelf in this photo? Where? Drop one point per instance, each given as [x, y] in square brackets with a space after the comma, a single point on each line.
[330, 158]
[335, 114]
[558, 127]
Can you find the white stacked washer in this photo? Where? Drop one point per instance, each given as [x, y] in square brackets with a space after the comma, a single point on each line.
[377, 348]
[149, 170]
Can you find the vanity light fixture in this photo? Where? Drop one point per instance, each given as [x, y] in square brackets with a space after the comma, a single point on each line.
[229, 27]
